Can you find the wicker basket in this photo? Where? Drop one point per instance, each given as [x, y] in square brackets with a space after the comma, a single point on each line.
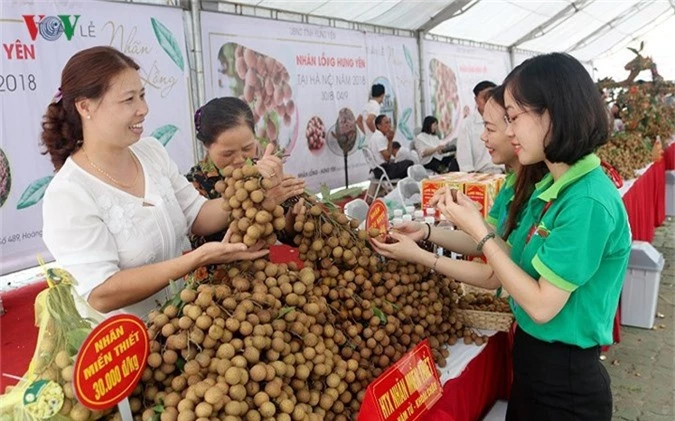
[486, 319]
[470, 289]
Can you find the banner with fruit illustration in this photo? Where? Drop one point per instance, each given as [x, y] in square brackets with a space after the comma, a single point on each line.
[38, 38]
[451, 73]
[307, 85]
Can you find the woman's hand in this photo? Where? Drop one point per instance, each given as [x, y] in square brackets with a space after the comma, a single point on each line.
[413, 230]
[405, 248]
[215, 252]
[290, 186]
[297, 209]
[463, 212]
[270, 165]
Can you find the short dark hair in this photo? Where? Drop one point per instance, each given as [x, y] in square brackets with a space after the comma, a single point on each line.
[497, 94]
[377, 90]
[559, 84]
[486, 84]
[221, 114]
[427, 123]
[378, 120]
[395, 145]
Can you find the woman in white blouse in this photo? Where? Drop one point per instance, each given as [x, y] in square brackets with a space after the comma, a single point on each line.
[117, 212]
[434, 154]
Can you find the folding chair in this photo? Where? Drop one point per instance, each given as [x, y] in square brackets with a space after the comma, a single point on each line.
[357, 209]
[383, 181]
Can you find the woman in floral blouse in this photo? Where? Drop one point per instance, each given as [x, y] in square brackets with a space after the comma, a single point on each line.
[225, 127]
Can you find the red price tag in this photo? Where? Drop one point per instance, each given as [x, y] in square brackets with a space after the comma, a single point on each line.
[111, 361]
[406, 390]
[377, 216]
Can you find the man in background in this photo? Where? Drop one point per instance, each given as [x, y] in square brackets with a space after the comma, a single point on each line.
[366, 120]
[382, 146]
[472, 156]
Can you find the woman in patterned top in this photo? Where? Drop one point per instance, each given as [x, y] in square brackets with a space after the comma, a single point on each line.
[225, 127]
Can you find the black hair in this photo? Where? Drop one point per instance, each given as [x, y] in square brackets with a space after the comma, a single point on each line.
[427, 123]
[486, 84]
[497, 94]
[378, 120]
[395, 145]
[377, 90]
[559, 84]
[221, 114]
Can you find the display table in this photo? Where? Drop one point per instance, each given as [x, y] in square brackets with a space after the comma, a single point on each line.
[645, 200]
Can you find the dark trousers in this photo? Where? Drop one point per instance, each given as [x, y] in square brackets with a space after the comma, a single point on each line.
[448, 164]
[556, 381]
[394, 169]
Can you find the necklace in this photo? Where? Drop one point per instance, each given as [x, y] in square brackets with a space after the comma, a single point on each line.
[111, 178]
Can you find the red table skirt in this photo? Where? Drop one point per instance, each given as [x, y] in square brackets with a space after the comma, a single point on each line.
[486, 379]
[646, 202]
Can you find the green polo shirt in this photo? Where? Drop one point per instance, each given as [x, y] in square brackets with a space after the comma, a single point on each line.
[499, 212]
[581, 245]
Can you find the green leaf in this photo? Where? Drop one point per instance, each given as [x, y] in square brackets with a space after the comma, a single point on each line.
[168, 42]
[642, 45]
[634, 50]
[284, 311]
[408, 59]
[165, 133]
[34, 192]
[180, 364]
[75, 338]
[159, 408]
[350, 192]
[380, 314]
[325, 192]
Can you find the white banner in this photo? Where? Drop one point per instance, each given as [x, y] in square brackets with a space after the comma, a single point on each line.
[451, 73]
[38, 38]
[318, 80]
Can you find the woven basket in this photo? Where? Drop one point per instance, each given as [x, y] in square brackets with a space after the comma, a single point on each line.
[470, 289]
[486, 319]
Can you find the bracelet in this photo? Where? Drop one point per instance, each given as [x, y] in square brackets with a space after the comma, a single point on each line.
[435, 262]
[482, 242]
[428, 231]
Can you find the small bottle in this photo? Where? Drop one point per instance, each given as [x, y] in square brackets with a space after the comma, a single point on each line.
[398, 213]
[431, 212]
[410, 210]
[430, 220]
[445, 224]
[407, 218]
[396, 221]
[418, 216]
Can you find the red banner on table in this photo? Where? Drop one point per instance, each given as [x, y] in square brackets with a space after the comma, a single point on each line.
[377, 216]
[111, 362]
[406, 391]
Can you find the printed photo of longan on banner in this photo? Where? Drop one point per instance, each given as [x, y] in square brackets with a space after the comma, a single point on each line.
[307, 86]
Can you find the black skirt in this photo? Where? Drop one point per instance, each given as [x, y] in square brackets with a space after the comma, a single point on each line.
[556, 381]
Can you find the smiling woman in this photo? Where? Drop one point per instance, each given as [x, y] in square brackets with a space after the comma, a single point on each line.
[117, 212]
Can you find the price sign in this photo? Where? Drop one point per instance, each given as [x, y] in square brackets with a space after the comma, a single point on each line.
[377, 216]
[111, 361]
[406, 390]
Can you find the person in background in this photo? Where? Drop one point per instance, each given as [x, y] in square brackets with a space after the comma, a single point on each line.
[117, 213]
[226, 129]
[366, 120]
[617, 122]
[381, 146]
[471, 154]
[401, 153]
[434, 154]
[570, 251]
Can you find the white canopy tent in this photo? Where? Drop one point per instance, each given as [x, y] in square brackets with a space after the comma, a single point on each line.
[591, 30]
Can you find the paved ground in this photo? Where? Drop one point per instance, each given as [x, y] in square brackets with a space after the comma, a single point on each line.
[642, 366]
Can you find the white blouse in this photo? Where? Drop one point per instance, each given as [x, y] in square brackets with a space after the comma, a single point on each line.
[94, 230]
[424, 141]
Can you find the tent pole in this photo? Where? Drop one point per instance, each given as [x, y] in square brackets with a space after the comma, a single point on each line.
[422, 80]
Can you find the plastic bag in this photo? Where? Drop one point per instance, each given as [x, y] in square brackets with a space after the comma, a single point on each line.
[46, 390]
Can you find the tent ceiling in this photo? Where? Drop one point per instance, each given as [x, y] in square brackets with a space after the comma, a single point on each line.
[585, 28]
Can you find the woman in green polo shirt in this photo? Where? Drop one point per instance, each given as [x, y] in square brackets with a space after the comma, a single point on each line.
[502, 217]
[570, 251]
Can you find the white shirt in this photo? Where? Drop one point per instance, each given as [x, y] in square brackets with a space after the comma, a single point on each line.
[378, 142]
[372, 107]
[404, 154]
[94, 230]
[472, 155]
[424, 141]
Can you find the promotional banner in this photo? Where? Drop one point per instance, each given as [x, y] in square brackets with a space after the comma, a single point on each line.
[306, 86]
[38, 38]
[451, 73]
